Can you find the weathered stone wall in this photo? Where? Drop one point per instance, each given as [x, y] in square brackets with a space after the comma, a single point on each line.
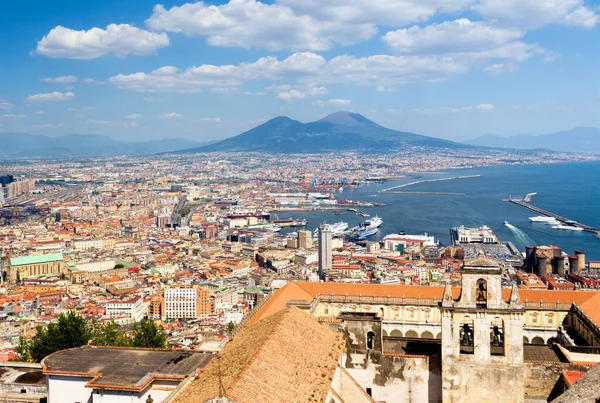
[347, 389]
[397, 379]
[541, 377]
[475, 383]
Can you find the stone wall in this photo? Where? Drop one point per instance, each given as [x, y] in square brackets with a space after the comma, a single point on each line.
[540, 377]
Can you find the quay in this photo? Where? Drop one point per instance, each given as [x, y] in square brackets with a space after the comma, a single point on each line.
[547, 213]
[426, 181]
[427, 193]
[359, 212]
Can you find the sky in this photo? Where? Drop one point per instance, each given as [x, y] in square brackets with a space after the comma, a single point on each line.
[139, 70]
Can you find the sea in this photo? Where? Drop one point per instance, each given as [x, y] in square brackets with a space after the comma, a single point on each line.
[570, 190]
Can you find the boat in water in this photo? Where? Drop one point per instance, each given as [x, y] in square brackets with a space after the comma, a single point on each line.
[542, 219]
[368, 228]
[266, 227]
[335, 229]
[567, 228]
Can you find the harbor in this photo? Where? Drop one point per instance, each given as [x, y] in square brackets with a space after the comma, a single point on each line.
[566, 221]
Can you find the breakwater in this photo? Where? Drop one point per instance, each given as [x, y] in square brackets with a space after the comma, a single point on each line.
[426, 181]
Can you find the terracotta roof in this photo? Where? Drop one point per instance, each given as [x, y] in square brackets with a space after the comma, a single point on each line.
[585, 390]
[591, 308]
[307, 291]
[286, 357]
[278, 301]
[572, 376]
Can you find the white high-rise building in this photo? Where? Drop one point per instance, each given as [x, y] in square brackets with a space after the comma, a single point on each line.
[186, 303]
[325, 260]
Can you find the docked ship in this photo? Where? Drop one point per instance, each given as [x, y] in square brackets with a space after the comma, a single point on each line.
[368, 228]
[335, 229]
[542, 219]
[567, 228]
[266, 227]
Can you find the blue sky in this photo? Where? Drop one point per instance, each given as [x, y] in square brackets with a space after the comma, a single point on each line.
[139, 70]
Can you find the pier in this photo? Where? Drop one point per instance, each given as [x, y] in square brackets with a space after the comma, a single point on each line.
[564, 220]
[389, 190]
[359, 212]
[427, 193]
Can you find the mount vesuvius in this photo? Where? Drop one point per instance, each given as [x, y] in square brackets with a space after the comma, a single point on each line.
[338, 131]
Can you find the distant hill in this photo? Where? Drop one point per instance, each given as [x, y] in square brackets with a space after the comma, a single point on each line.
[17, 145]
[579, 139]
[338, 131]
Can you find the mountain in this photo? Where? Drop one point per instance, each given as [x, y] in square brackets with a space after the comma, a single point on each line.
[579, 139]
[338, 131]
[16, 145]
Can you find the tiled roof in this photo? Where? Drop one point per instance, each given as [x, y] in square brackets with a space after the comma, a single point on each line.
[278, 301]
[584, 390]
[591, 308]
[286, 357]
[306, 291]
[572, 376]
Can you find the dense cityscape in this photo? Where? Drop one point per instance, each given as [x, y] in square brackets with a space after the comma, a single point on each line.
[299, 201]
[192, 249]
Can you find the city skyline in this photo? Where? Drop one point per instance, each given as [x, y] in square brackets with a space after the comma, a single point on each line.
[201, 71]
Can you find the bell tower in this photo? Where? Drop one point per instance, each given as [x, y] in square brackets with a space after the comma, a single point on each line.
[482, 338]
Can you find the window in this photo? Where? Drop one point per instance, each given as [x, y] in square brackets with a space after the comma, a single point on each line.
[497, 336]
[370, 340]
[481, 293]
[369, 392]
[466, 336]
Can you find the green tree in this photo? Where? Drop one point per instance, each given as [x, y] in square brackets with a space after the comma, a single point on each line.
[71, 331]
[147, 334]
[22, 350]
[109, 334]
[230, 328]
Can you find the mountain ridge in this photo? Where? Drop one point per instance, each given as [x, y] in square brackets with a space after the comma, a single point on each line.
[21, 145]
[338, 131]
[578, 139]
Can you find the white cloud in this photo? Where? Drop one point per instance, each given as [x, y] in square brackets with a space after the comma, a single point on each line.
[307, 70]
[132, 124]
[500, 68]
[333, 102]
[39, 113]
[62, 79]
[211, 120]
[13, 116]
[288, 94]
[195, 79]
[92, 81]
[51, 96]
[172, 115]
[382, 12]
[119, 40]
[485, 107]
[252, 24]
[531, 14]
[134, 116]
[5, 105]
[450, 36]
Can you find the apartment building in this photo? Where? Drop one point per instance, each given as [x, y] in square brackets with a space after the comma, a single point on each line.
[186, 303]
[132, 309]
